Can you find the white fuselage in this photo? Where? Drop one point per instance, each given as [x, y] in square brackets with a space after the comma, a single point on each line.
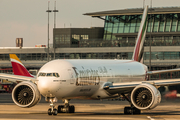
[84, 79]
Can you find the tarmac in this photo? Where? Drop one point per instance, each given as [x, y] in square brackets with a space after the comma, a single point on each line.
[87, 110]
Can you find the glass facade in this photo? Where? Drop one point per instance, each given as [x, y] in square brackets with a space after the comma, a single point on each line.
[115, 28]
[71, 37]
[111, 55]
[131, 24]
[130, 42]
[26, 57]
[62, 39]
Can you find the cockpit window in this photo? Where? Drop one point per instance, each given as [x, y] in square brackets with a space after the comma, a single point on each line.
[55, 74]
[49, 74]
[42, 74]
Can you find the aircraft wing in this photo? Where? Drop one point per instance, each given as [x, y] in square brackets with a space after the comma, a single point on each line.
[15, 78]
[162, 71]
[128, 86]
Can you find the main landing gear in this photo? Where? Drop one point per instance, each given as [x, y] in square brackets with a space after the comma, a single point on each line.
[130, 110]
[66, 108]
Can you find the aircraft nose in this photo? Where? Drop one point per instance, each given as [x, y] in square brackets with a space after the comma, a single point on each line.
[45, 87]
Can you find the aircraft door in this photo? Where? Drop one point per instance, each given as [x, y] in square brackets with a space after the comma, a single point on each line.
[72, 76]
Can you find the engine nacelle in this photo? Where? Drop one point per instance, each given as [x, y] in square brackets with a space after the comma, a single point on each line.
[145, 96]
[26, 94]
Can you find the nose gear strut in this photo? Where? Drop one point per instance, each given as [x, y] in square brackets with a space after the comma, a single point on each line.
[52, 110]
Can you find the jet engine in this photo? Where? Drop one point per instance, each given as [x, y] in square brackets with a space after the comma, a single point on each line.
[145, 96]
[26, 94]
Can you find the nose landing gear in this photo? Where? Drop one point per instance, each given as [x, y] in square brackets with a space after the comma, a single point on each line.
[52, 110]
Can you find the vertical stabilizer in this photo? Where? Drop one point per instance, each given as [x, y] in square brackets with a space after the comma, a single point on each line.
[18, 67]
[138, 50]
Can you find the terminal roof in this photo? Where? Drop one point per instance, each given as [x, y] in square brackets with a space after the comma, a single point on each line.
[135, 11]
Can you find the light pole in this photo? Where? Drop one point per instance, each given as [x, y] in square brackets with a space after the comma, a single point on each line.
[55, 14]
[150, 39]
[48, 11]
[54, 27]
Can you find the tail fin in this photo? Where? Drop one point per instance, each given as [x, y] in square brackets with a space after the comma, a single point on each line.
[18, 67]
[138, 50]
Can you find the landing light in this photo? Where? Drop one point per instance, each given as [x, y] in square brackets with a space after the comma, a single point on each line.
[51, 99]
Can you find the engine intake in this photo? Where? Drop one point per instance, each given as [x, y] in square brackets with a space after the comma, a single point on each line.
[145, 96]
[26, 94]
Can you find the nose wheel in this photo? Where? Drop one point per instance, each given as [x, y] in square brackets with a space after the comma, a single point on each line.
[52, 112]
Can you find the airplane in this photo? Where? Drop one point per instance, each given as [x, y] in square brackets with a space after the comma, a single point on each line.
[91, 79]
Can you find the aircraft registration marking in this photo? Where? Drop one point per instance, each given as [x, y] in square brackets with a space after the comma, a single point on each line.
[59, 80]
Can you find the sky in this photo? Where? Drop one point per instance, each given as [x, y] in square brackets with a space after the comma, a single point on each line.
[28, 19]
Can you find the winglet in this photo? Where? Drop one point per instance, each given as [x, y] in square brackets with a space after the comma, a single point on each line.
[138, 50]
[18, 67]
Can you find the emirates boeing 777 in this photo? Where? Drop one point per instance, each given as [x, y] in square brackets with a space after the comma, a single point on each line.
[90, 79]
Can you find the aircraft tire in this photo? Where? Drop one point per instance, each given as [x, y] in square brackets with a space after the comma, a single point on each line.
[71, 109]
[136, 111]
[55, 112]
[127, 110]
[133, 111]
[49, 111]
[60, 108]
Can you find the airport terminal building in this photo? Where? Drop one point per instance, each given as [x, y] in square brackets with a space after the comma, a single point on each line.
[116, 40]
